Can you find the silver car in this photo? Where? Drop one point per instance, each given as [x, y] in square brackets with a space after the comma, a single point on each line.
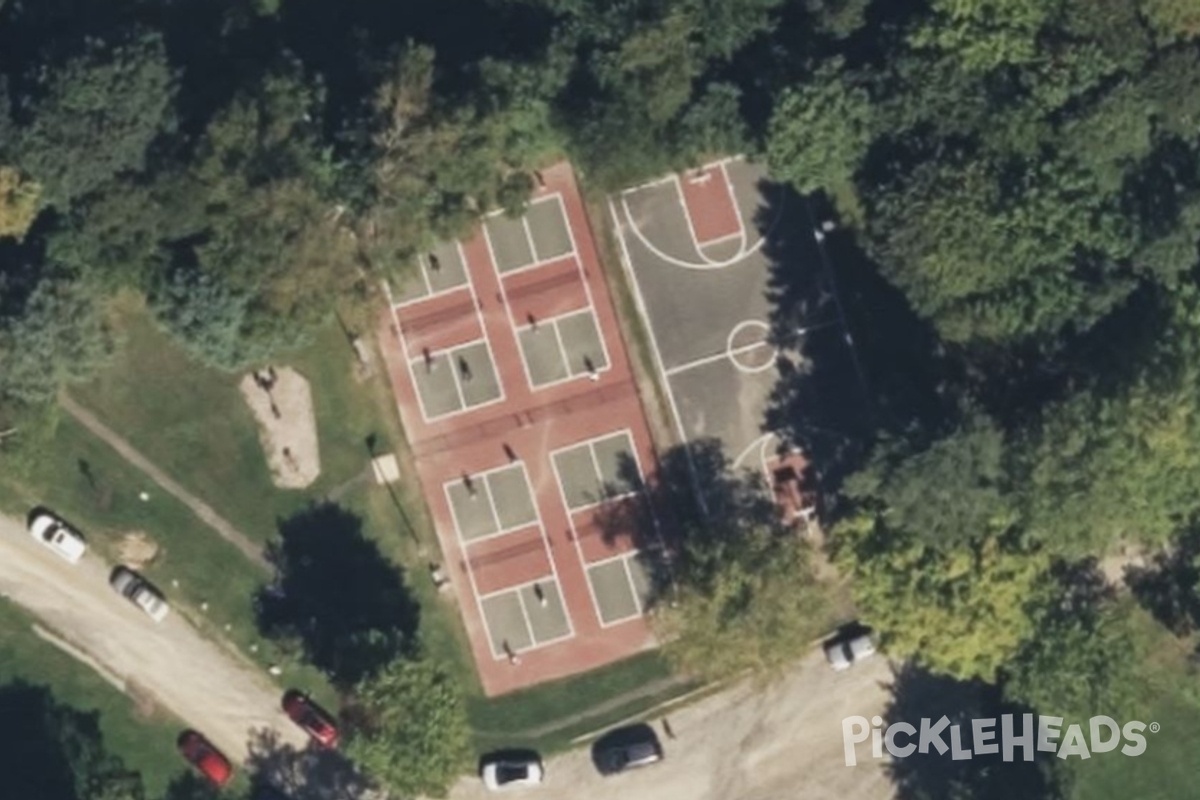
[844, 652]
[140, 592]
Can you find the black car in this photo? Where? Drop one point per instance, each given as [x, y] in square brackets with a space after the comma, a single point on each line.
[626, 748]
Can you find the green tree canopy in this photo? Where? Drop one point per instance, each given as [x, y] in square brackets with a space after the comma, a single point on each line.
[821, 130]
[92, 115]
[411, 733]
[961, 611]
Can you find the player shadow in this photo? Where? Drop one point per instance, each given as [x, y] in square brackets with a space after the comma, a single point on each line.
[336, 596]
[855, 361]
[918, 694]
[691, 507]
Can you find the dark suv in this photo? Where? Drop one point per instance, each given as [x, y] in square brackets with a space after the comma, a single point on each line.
[626, 748]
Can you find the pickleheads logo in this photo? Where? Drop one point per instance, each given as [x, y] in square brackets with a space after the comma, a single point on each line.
[901, 739]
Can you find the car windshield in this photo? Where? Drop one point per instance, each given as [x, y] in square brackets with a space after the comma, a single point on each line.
[507, 773]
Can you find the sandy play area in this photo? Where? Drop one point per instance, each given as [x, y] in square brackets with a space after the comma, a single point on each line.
[281, 401]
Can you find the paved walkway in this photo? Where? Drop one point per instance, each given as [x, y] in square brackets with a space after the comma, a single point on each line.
[203, 510]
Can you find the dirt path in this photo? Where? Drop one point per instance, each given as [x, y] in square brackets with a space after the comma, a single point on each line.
[168, 663]
[201, 509]
[784, 743]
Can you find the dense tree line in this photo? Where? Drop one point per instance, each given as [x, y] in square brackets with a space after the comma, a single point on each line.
[1017, 185]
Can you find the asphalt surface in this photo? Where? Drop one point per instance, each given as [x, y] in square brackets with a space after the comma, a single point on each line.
[783, 742]
[169, 663]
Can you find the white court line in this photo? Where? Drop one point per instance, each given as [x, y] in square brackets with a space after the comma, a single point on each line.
[566, 361]
[562, 494]
[625, 558]
[721, 239]
[534, 643]
[537, 262]
[465, 544]
[591, 445]
[430, 294]
[528, 622]
[562, 349]
[724, 354]
[639, 300]
[587, 290]
[741, 255]
[591, 305]
[667, 178]
[485, 338]
[529, 237]
[737, 210]
[687, 218]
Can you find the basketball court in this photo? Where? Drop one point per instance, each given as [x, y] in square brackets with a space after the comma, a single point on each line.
[516, 394]
[695, 247]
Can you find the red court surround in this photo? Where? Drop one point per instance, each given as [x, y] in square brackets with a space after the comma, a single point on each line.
[531, 423]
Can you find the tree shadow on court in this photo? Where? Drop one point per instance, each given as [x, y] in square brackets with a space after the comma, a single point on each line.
[842, 385]
[918, 694]
[53, 752]
[336, 595]
[310, 774]
[688, 516]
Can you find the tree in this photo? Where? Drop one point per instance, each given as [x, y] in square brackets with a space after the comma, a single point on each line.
[820, 131]
[92, 117]
[1083, 659]
[951, 493]
[411, 731]
[743, 594]
[987, 255]
[60, 337]
[758, 613]
[1118, 462]
[961, 611]
[20, 202]
[1173, 19]
[986, 34]
[212, 320]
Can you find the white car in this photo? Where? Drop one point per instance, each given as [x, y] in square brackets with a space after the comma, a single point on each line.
[140, 592]
[57, 536]
[845, 652]
[515, 772]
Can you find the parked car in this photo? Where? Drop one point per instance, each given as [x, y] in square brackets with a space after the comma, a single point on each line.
[140, 592]
[205, 757]
[57, 535]
[626, 748]
[842, 652]
[511, 770]
[316, 721]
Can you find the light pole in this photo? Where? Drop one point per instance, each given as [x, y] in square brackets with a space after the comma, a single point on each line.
[819, 233]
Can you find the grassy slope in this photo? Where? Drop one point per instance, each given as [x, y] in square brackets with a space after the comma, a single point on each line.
[146, 744]
[192, 422]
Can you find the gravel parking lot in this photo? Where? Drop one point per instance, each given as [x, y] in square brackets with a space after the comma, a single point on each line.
[781, 743]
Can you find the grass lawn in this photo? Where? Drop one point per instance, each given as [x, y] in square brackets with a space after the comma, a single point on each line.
[194, 565]
[146, 744]
[1166, 694]
[191, 421]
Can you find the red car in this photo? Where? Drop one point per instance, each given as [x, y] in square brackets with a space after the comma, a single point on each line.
[315, 720]
[206, 758]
